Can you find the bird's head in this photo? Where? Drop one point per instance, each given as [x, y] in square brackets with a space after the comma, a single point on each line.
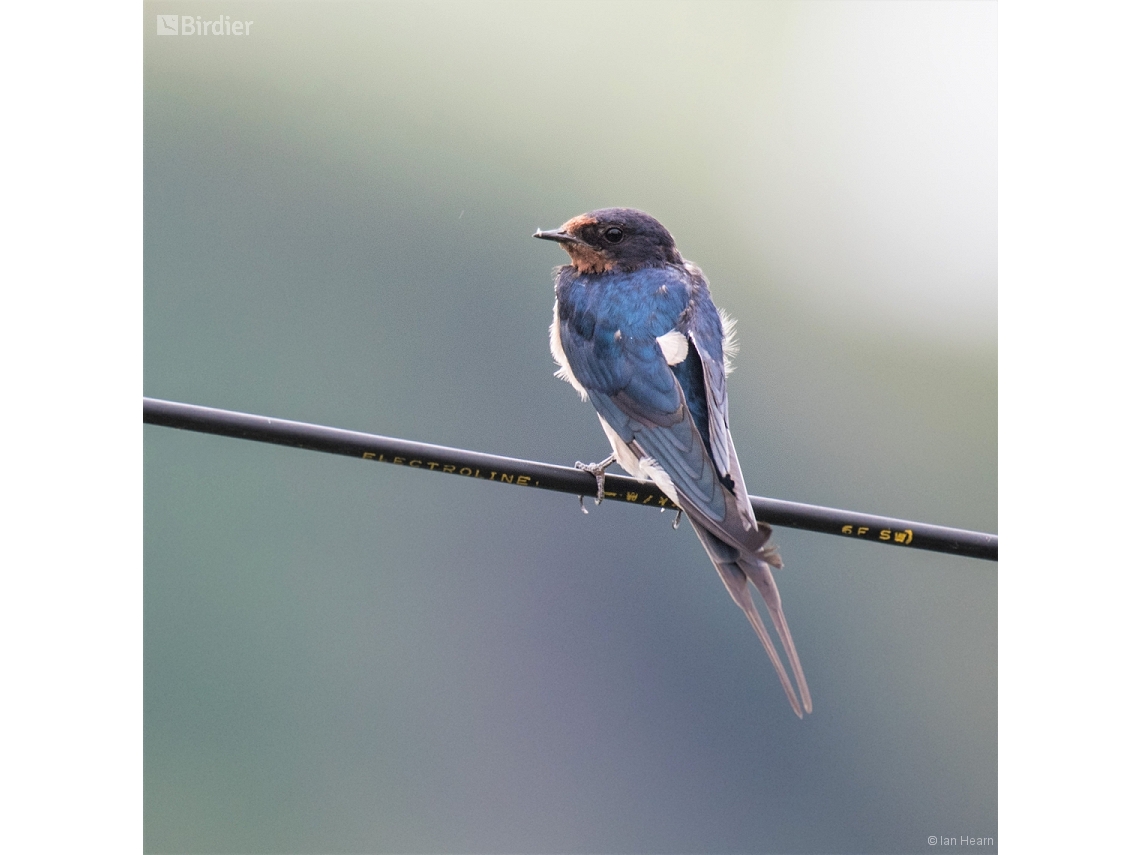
[614, 239]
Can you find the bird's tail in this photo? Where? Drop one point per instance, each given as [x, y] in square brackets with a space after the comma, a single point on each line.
[736, 568]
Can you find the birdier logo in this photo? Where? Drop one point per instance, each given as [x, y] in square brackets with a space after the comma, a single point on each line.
[193, 25]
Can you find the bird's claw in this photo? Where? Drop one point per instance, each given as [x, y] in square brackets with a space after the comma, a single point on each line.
[598, 470]
[676, 519]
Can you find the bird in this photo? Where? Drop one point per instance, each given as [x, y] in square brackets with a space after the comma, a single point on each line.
[636, 333]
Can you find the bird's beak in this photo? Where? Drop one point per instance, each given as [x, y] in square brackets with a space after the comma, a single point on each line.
[557, 235]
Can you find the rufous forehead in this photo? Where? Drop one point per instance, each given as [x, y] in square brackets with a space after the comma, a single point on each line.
[579, 222]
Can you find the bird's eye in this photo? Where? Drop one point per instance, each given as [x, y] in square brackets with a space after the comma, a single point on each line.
[613, 235]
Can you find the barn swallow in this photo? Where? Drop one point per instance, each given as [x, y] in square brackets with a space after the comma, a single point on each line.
[636, 333]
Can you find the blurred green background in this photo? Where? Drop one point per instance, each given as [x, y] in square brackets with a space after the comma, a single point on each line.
[343, 657]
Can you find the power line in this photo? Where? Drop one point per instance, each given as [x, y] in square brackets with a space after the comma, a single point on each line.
[562, 479]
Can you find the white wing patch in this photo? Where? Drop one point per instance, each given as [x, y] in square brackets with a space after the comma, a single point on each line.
[729, 344]
[563, 372]
[675, 345]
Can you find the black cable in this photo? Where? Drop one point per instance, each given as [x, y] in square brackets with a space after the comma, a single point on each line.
[546, 476]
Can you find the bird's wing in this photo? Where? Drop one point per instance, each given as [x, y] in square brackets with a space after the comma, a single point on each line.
[610, 343]
[703, 325]
[678, 416]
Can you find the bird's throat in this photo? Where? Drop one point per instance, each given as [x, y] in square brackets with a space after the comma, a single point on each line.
[588, 260]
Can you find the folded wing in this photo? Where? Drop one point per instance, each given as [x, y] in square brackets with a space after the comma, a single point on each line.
[677, 415]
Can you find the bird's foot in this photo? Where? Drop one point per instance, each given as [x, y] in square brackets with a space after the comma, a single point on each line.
[598, 470]
[677, 519]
